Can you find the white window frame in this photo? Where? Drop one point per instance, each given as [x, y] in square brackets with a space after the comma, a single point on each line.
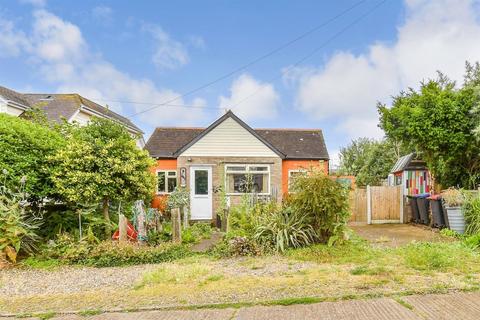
[290, 176]
[246, 171]
[166, 180]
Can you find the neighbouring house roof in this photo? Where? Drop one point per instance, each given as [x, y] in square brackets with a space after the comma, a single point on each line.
[64, 106]
[168, 142]
[15, 97]
[408, 162]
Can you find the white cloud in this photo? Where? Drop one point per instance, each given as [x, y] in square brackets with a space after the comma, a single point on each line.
[103, 14]
[37, 3]
[436, 35]
[169, 53]
[256, 100]
[197, 42]
[62, 56]
[12, 41]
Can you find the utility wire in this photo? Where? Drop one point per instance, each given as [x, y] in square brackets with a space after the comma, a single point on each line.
[249, 64]
[313, 52]
[155, 104]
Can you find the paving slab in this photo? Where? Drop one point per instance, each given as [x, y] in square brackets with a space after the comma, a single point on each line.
[354, 309]
[465, 306]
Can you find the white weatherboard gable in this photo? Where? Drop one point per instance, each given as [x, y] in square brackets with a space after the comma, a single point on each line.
[229, 139]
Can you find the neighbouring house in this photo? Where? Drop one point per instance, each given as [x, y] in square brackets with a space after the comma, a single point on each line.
[412, 173]
[226, 155]
[59, 107]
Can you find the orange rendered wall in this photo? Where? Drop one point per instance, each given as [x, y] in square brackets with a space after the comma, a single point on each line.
[162, 164]
[300, 164]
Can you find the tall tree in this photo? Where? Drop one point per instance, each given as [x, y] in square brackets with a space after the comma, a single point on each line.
[440, 121]
[370, 161]
[101, 163]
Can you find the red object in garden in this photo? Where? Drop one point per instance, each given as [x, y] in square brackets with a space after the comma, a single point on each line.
[131, 233]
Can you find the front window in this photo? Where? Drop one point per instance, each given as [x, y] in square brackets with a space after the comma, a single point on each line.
[167, 181]
[292, 174]
[247, 179]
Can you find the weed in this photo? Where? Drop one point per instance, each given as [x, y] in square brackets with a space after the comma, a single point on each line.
[90, 312]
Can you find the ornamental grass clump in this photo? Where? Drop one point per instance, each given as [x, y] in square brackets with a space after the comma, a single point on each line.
[282, 229]
[324, 204]
[471, 213]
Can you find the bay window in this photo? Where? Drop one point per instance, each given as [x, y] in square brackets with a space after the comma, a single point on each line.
[167, 181]
[240, 179]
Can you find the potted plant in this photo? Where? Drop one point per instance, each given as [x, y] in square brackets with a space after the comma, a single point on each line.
[453, 199]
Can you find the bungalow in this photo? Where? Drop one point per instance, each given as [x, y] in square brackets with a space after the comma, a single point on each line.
[58, 107]
[225, 155]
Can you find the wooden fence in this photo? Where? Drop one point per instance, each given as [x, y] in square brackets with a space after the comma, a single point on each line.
[380, 204]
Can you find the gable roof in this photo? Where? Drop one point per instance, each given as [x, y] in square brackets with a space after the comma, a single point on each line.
[15, 97]
[58, 106]
[168, 142]
[408, 162]
[228, 114]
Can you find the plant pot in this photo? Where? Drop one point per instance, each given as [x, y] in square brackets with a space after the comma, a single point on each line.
[456, 220]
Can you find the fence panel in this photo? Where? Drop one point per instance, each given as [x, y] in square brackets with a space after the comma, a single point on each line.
[385, 204]
[358, 205]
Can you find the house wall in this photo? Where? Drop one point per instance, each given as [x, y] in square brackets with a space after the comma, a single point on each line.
[218, 173]
[9, 109]
[159, 200]
[229, 139]
[288, 165]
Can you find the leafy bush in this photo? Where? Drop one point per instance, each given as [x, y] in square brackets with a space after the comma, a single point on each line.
[196, 232]
[110, 254]
[179, 198]
[282, 229]
[322, 201]
[471, 212]
[450, 233]
[243, 246]
[26, 147]
[17, 230]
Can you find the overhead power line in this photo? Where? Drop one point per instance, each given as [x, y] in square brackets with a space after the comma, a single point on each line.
[314, 51]
[249, 64]
[155, 104]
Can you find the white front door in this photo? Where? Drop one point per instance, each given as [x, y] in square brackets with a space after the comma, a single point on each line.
[201, 193]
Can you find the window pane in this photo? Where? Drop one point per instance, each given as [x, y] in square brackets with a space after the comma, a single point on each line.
[201, 182]
[258, 168]
[172, 173]
[260, 183]
[172, 183]
[236, 168]
[161, 181]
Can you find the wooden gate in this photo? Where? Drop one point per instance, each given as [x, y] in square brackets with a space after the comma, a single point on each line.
[379, 204]
[386, 205]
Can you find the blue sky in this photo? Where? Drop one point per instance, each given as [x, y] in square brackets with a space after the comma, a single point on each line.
[153, 51]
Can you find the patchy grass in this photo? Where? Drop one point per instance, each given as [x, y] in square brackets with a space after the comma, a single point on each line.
[314, 274]
[33, 262]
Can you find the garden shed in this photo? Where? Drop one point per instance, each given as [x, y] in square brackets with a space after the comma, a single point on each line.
[412, 173]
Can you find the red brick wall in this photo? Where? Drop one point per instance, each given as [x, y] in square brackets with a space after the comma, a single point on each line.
[159, 201]
[300, 164]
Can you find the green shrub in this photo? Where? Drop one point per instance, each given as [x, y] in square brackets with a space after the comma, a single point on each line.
[18, 231]
[196, 232]
[473, 241]
[25, 147]
[322, 201]
[450, 233]
[282, 229]
[109, 254]
[243, 246]
[471, 212]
